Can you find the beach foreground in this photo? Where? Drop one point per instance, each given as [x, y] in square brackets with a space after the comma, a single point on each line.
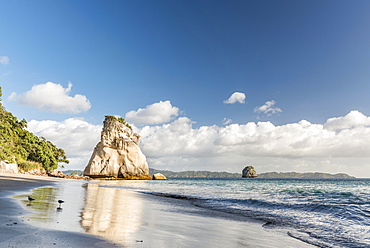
[16, 232]
[95, 216]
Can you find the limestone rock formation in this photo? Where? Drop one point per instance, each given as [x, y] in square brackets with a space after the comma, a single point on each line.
[159, 176]
[249, 172]
[118, 153]
[8, 167]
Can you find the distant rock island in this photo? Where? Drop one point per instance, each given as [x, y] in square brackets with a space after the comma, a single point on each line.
[159, 176]
[118, 154]
[210, 174]
[249, 172]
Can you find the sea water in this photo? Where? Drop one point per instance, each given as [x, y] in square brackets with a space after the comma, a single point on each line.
[323, 212]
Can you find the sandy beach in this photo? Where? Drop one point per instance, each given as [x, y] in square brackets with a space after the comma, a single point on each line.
[16, 232]
[94, 216]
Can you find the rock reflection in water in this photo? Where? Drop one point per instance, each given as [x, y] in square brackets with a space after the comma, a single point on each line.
[112, 213]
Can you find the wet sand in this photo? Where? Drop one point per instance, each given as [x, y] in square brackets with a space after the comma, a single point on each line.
[16, 232]
[114, 217]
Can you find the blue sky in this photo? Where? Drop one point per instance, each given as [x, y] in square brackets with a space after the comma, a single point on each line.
[179, 62]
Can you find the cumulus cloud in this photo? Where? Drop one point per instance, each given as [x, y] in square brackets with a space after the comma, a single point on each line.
[76, 136]
[236, 97]
[4, 60]
[52, 97]
[339, 145]
[268, 108]
[301, 146]
[354, 119]
[156, 113]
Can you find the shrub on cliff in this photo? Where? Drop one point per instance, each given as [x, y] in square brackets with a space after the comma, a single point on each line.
[119, 119]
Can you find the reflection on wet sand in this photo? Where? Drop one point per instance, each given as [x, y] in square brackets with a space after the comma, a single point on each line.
[111, 212]
[47, 212]
[43, 204]
[130, 219]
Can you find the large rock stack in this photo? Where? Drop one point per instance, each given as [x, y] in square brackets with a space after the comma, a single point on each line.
[118, 153]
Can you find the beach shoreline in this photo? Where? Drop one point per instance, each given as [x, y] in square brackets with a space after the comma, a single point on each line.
[114, 217]
[16, 232]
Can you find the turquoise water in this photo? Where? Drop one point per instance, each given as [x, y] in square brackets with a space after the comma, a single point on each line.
[327, 213]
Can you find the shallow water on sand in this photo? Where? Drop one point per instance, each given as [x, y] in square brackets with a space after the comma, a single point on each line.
[45, 211]
[114, 211]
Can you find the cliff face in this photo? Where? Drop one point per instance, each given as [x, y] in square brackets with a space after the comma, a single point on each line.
[117, 154]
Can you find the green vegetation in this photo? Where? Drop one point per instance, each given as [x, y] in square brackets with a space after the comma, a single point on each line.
[23, 147]
[119, 119]
[29, 165]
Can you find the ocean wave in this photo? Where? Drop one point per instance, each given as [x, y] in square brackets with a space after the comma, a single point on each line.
[326, 213]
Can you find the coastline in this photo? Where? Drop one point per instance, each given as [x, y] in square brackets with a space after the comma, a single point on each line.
[114, 217]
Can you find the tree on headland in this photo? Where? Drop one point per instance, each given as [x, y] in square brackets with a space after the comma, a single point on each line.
[23, 147]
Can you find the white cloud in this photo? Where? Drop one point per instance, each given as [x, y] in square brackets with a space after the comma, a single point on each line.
[354, 119]
[268, 108]
[76, 136]
[4, 60]
[339, 145]
[156, 113]
[301, 146]
[236, 97]
[52, 97]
